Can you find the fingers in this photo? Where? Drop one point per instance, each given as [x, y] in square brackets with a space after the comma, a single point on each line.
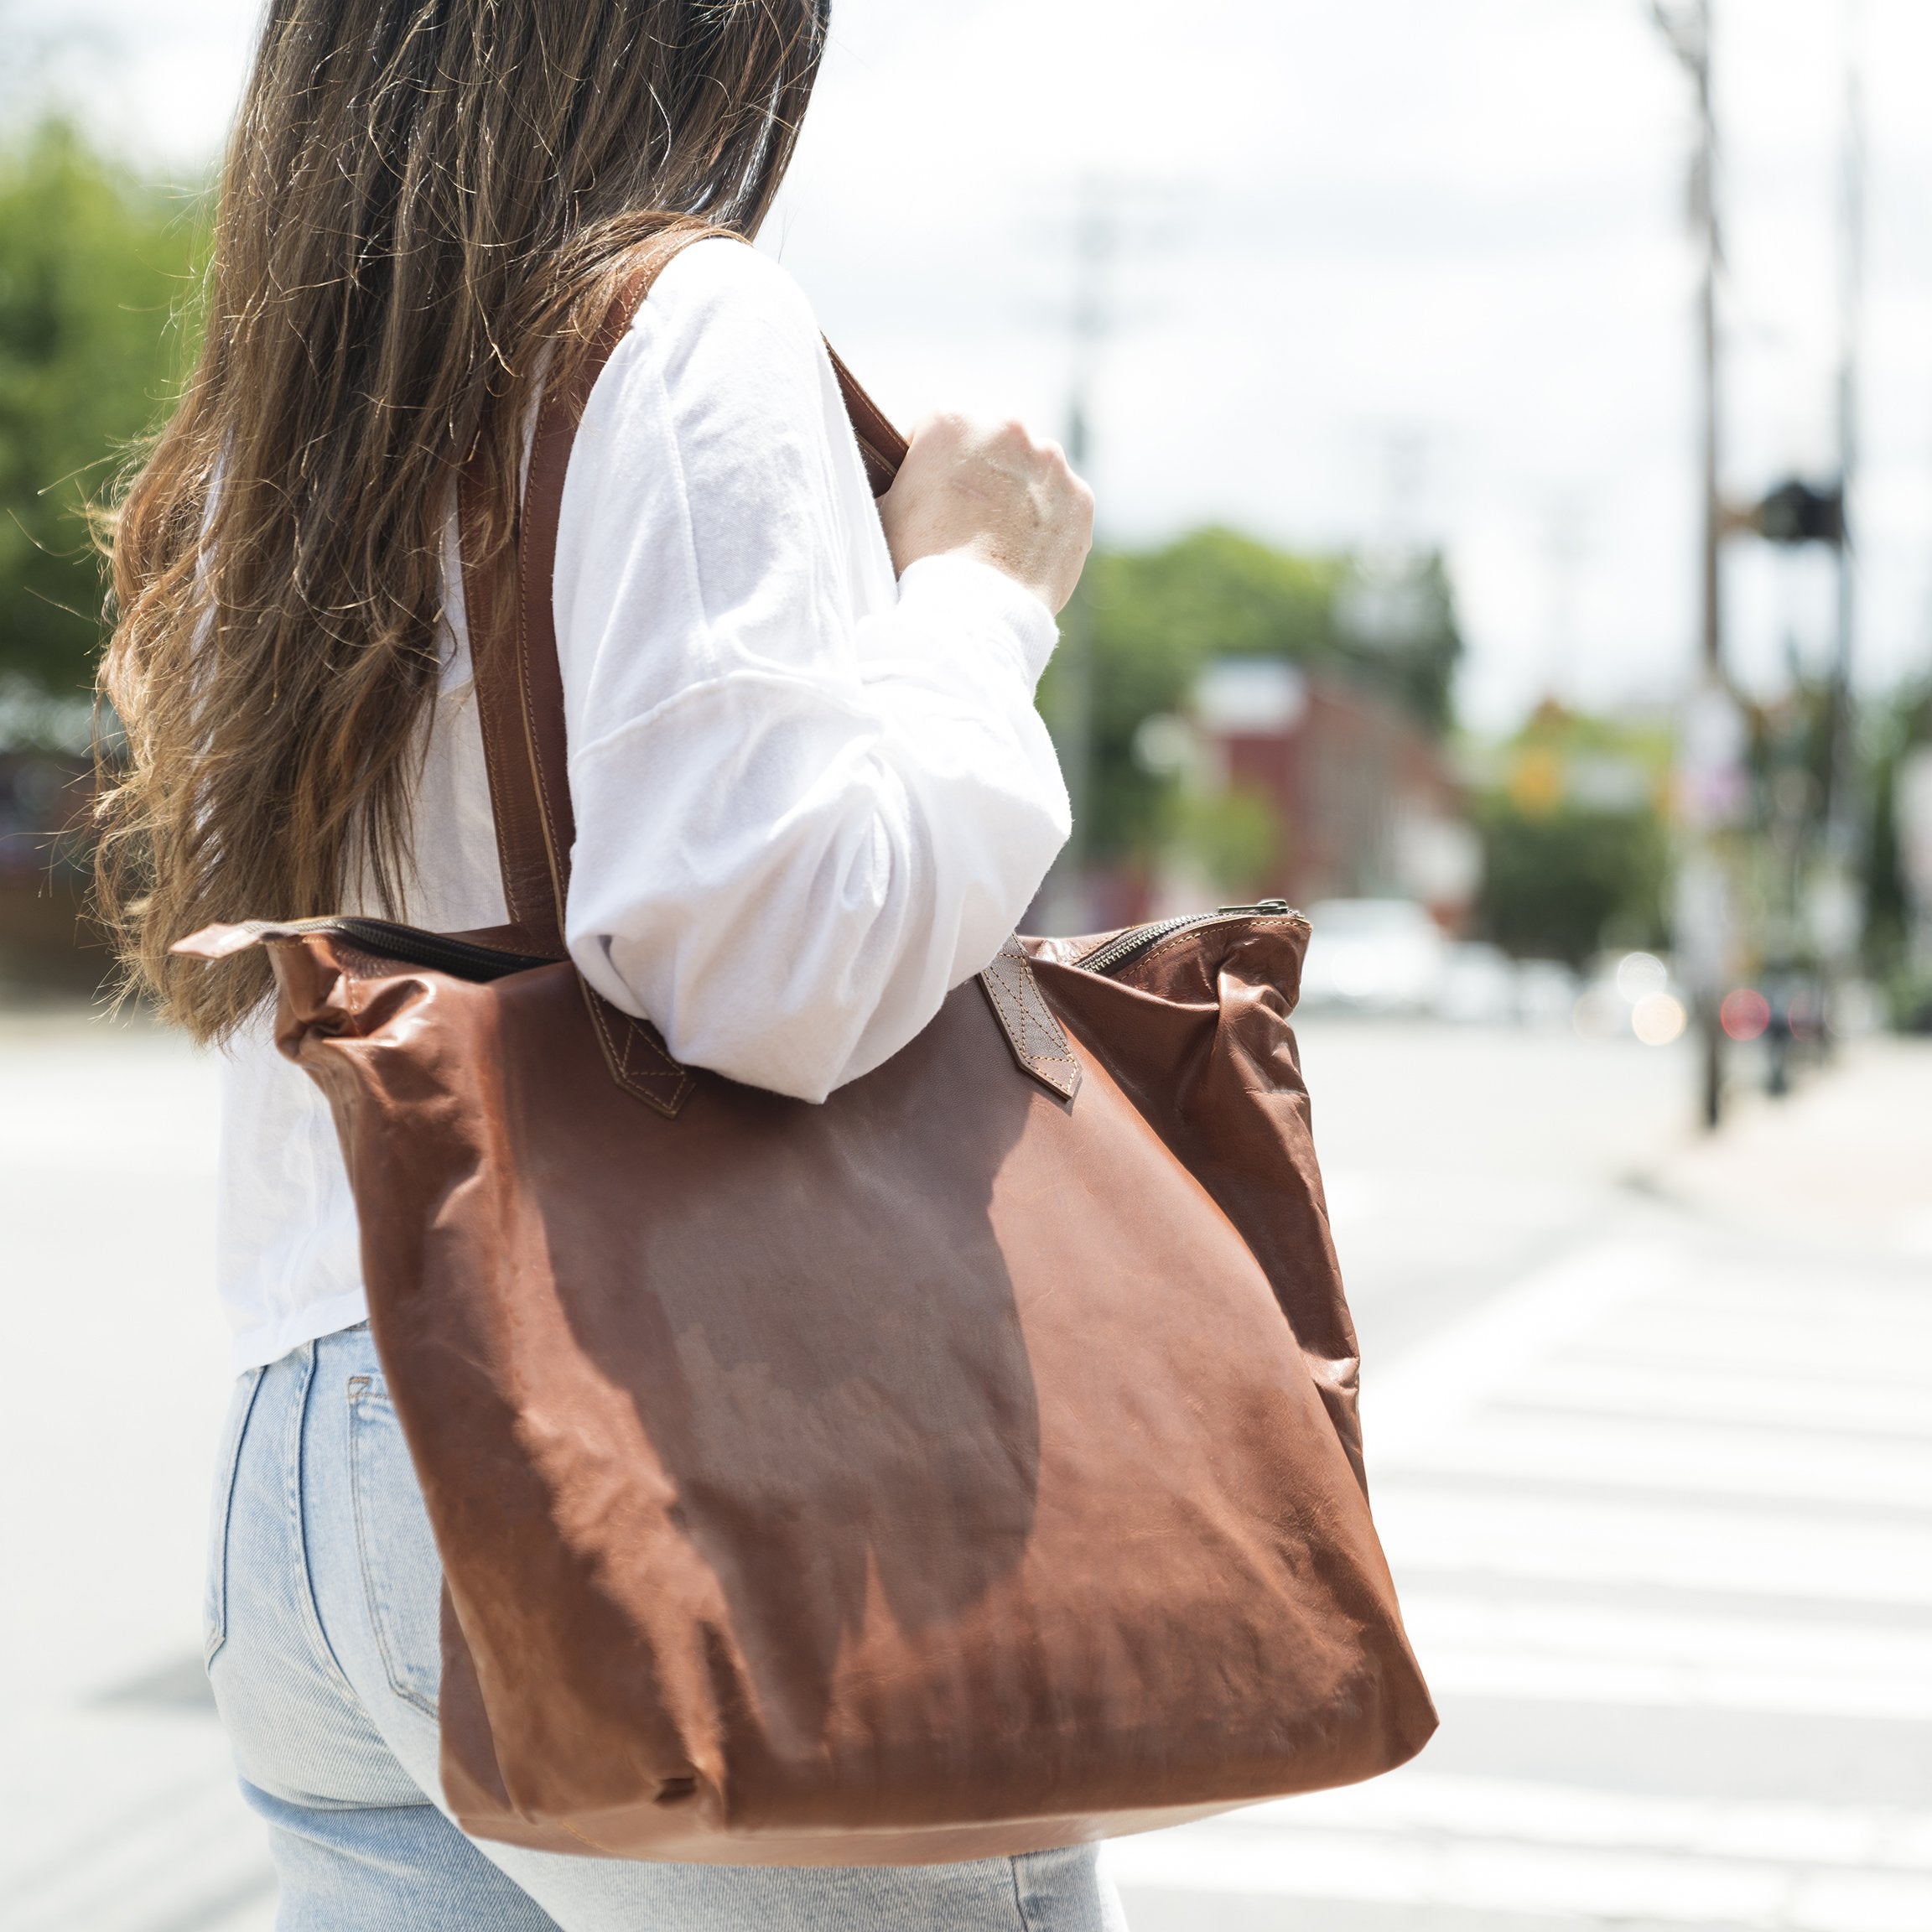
[989, 487]
[951, 432]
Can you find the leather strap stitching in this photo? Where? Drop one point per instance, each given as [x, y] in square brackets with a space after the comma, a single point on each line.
[675, 1079]
[1033, 1032]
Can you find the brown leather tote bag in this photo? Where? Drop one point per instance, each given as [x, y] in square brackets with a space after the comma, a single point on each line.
[969, 1465]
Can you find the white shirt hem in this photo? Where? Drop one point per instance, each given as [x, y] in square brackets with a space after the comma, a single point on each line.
[270, 1340]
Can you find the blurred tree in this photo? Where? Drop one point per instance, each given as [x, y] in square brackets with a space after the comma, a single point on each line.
[94, 264]
[1576, 848]
[1396, 621]
[1161, 614]
[1895, 728]
[1158, 616]
[1554, 884]
[1234, 837]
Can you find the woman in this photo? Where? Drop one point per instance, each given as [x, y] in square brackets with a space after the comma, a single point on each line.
[811, 791]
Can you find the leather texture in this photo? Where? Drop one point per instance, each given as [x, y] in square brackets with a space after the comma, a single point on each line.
[881, 446]
[969, 1465]
[1033, 1030]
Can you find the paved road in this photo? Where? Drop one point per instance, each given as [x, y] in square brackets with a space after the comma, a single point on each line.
[1651, 1440]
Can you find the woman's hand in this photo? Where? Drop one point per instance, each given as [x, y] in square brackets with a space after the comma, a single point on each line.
[988, 491]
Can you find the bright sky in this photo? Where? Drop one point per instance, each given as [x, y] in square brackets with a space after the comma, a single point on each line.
[1398, 269]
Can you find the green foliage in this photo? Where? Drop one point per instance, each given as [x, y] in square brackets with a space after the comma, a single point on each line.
[1159, 616]
[1561, 885]
[93, 265]
[1234, 837]
[1569, 867]
[1398, 622]
[1907, 990]
[1892, 729]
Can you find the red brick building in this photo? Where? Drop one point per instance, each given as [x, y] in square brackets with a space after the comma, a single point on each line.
[1364, 802]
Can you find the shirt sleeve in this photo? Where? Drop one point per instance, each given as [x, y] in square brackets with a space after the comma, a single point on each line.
[809, 801]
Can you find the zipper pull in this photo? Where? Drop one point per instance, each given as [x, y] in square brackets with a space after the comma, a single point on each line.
[1270, 906]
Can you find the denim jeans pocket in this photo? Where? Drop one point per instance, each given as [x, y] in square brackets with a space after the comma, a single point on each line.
[401, 1577]
[222, 1506]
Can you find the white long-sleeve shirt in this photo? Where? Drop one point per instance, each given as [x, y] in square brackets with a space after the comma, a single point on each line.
[810, 799]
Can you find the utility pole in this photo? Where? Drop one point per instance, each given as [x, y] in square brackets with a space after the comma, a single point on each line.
[1687, 28]
[1837, 914]
[1096, 247]
[1705, 916]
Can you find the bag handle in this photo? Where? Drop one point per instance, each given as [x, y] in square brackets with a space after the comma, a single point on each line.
[519, 685]
[513, 642]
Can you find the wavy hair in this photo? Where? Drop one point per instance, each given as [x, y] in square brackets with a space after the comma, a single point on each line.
[423, 202]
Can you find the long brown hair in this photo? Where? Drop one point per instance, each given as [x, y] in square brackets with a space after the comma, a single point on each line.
[420, 197]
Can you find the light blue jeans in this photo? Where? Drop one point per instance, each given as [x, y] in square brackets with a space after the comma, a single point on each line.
[323, 1592]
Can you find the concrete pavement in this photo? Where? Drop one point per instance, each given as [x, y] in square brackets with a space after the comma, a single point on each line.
[116, 1786]
[1650, 1434]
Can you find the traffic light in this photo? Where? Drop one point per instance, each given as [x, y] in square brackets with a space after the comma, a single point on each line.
[1796, 512]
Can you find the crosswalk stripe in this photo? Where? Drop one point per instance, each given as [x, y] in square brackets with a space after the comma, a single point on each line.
[1764, 1292]
[1789, 1350]
[1559, 1815]
[1497, 1645]
[1578, 1537]
[1756, 1462]
[1611, 1885]
[1812, 1407]
[1492, 1845]
[1484, 1672]
[1447, 1379]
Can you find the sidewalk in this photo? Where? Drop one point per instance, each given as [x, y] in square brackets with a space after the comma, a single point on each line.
[1846, 1162]
[115, 1780]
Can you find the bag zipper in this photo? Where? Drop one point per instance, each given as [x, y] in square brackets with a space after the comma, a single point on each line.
[461, 958]
[1123, 948]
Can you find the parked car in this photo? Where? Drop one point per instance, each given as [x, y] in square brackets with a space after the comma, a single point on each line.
[1382, 956]
[1545, 992]
[1478, 986]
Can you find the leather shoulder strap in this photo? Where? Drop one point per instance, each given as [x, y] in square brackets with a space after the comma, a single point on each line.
[520, 699]
[881, 446]
[513, 643]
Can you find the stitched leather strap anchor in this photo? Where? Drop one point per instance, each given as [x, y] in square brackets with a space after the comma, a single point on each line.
[520, 703]
[1039, 1042]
